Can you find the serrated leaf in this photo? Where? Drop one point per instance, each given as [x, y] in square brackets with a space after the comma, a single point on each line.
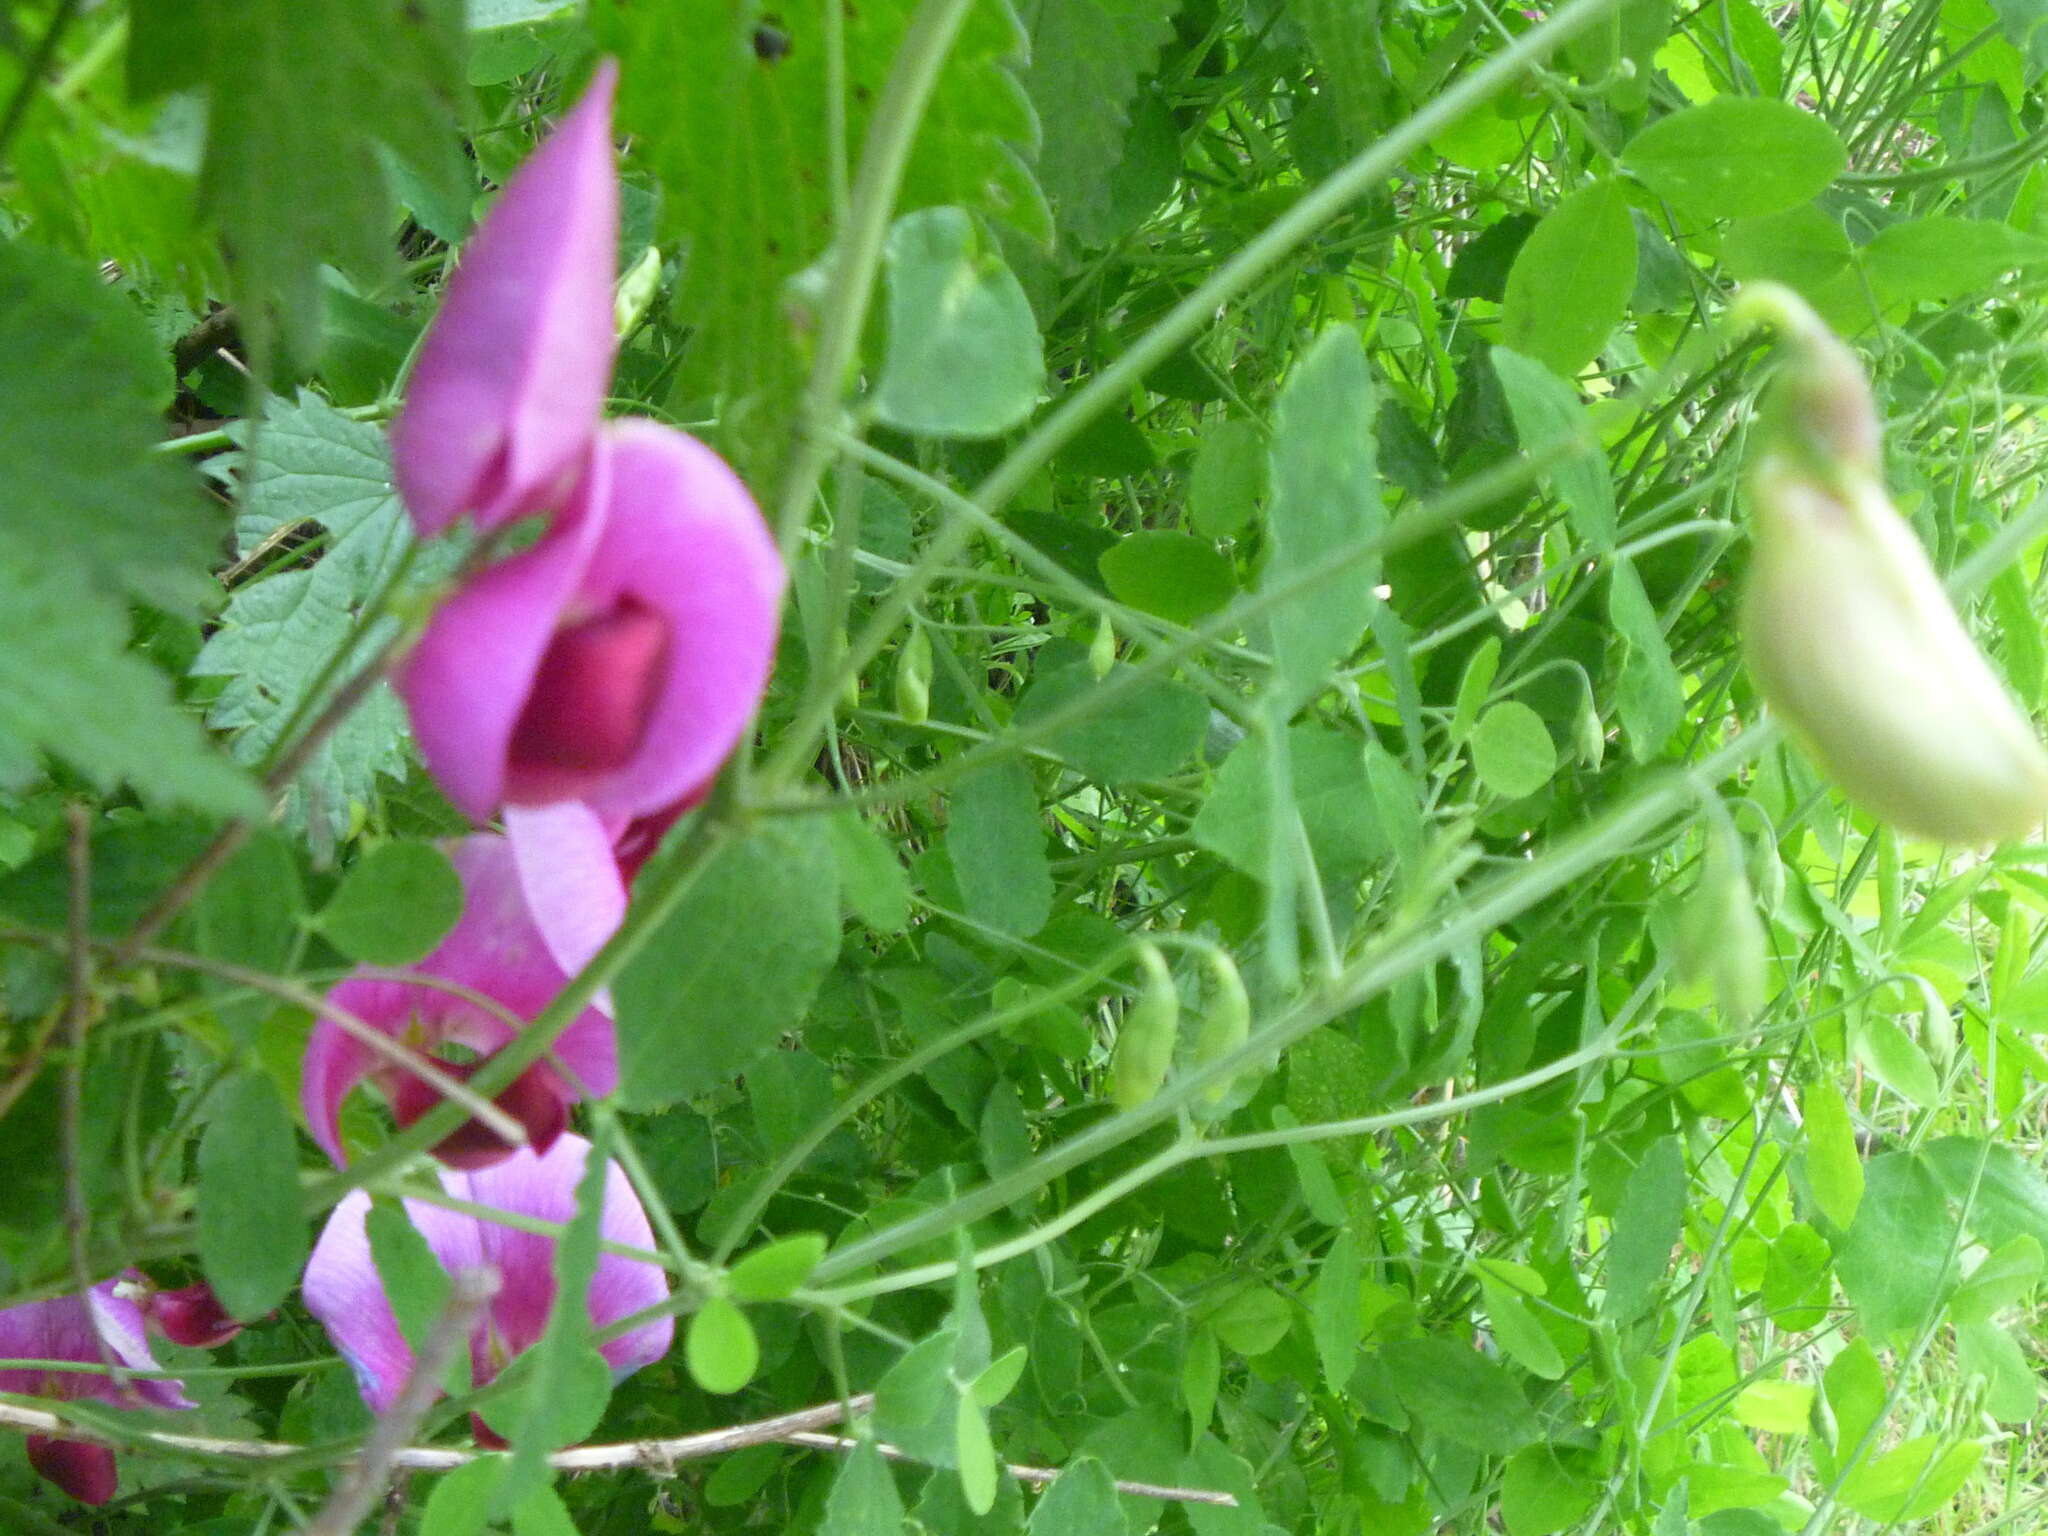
[1087, 57]
[746, 947]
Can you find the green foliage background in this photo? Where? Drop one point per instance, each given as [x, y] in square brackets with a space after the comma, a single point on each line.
[1261, 480]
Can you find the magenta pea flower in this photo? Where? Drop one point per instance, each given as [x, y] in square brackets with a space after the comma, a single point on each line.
[512, 375]
[535, 909]
[72, 1328]
[618, 661]
[343, 1291]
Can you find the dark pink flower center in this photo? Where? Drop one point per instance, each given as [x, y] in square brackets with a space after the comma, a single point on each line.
[193, 1317]
[590, 704]
[531, 1100]
[86, 1472]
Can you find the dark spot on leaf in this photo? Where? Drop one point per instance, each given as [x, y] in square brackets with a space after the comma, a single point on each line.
[771, 42]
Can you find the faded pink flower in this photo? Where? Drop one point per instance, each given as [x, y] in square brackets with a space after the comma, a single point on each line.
[342, 1288]
[535, 909]
[71, 1328]
[618, 661]
[511, 378]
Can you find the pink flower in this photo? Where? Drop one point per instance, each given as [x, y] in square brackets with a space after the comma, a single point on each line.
[512, 375]
[535, 909]
[190, 1315]
[618, 661]
[64, 1328]
[343, 1291]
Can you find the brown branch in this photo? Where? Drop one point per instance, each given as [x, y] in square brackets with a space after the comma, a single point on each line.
[359, 1488]
[1038, 1475]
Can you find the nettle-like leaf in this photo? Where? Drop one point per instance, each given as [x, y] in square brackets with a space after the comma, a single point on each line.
[732, 111]
[301, 97]
[90, 518]
[308, 468]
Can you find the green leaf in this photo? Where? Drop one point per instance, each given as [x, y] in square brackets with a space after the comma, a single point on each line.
[1333, 1306]
[976, 1456]
[1227, 484]
[2008, 1200]
[738, 144]
[1332, 793]
[1834, 1168]
[252, 1231]
[1460, 1394]
[1990, 1353]
[306, 462]
[301, 95]
[999, 1379]
[1571, 280]
[1893, 1263]
[964, 358]
[1647, 1224]
[1548, 417]
[871, 880]
[863, 1501]
[1326, 498]
[1897, 1062]
[395, 906]
[1545, 1489]
[1911, 1481]
[997, 845]
[413, 1278]
[1930, 261]
[1081, 1501]
[1517, 1330]
[1803, 248]
[1087, 57]
[1253, 1320]
[1512, 751]
[1736, 157]
[461, 1501]
[2005, 1277]
[542, 1513]
[1173, 576]
[1201, 1375]
[771, 1273]
[721, 1350]
[754, 934]
[1147, 730]
[1775, 1407]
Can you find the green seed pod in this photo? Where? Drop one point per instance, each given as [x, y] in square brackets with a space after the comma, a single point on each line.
[1102, 651]
[914, 676]
[1849, 634]
[1144, 1042]
[1226, 1023]
[635, 291]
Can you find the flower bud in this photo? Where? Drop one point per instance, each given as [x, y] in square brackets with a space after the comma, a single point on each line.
[1849, 634]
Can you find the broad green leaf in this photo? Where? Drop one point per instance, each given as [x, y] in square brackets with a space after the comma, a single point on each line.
[720, 1348]
[1548, 418]
[997, 844]
[1570, 283]
[1512, 751]
[395, 905]
[1775, 1407]
[1227, 485]
[1834, 1168]
[1087, 59]
[1854, 1384]
[542, 1513]
[301, 95]
[738, 143]
[1460, 1394]
[1517, 1330]
[1894, 1261]
[1796, 1277]
[1253, 1320]
[1990, 1353]
[771, 1273]
[733, 967]
[871, 880]
[1736, 157]
[2001, 1194]
[863, 1501]
[460, 1502]
[1803, 248]
[963, 358]
[1913, 1480]
[1646, 1227]
[1081, 1501]
[1923, 261]
[1147, 730]
[1896, 1061]
[252, 1231]
[1332, 793]
[1173, 576]
[1545, 1489]
[1326, 499]
[2006, 1276]
[1333, 1306]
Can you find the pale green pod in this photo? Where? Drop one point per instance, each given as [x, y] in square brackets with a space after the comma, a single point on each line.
[914, 676]
[1145, 1039]
[1854, 643]
[635, 291]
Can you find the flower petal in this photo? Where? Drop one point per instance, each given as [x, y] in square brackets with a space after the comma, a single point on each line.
[570, 878]
[335, 1062]
[63, 1328]
[86, 1472]
[467, 680]
[511, 380]
[682, 536]
[344, 1292]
